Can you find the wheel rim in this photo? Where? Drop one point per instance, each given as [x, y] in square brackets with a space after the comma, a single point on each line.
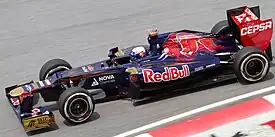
[78, 107]
[90, 108]
[254, 67]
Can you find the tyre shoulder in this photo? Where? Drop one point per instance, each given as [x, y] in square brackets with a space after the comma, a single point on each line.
[220, 26]
[50, 65]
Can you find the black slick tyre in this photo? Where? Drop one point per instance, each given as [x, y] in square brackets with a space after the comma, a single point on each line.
[52, 66]
[76, 105]
[250, 65]
[221, 28]
[269, 52]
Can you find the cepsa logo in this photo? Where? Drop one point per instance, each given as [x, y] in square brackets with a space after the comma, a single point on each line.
[170, 73]
[256, 28]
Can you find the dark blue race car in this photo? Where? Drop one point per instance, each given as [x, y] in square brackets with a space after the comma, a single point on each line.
[238, 47]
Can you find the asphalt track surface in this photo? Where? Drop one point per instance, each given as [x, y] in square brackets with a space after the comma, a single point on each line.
[33, 31]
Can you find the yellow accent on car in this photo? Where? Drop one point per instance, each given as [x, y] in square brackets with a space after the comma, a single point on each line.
[38, 122]
[119, 53]
[16, 92]
[132, 70]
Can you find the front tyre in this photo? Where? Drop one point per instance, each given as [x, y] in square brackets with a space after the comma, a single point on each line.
[251, 65]
[76, 105]
[53, 66]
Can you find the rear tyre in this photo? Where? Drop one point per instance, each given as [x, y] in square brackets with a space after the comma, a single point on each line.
[53, 66]
[221, 28]
[76, 105]
[269, 52]
[250, 65]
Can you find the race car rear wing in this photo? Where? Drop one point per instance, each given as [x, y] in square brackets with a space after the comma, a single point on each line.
[249, 29]
[240, 10]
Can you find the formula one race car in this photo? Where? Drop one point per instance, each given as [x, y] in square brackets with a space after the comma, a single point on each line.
[239, 47]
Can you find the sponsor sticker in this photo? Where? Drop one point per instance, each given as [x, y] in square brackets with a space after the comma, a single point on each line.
[256, 28]
[48, 82]
[95, 83]
[170, 73]
[90, 68]
[211, 65]
[35, 110]
[38, 122]
[85, 69]
[199, 68]
[108, 78]
[246, 16]
[28, 87]
[15, 101]
[41, 84]
[103, 80]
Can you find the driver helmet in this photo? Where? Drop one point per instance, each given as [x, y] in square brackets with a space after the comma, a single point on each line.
[138, 52]
[153, 32]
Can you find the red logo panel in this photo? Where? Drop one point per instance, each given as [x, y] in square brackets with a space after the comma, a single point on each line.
[170, 73]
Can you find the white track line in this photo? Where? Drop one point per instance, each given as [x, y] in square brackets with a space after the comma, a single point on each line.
[198, 110]
[144, 135]
[270, 98]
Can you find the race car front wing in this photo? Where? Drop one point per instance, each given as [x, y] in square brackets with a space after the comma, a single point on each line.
[32, 118]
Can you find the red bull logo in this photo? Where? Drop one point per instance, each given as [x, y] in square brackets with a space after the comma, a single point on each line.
[170, 73]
